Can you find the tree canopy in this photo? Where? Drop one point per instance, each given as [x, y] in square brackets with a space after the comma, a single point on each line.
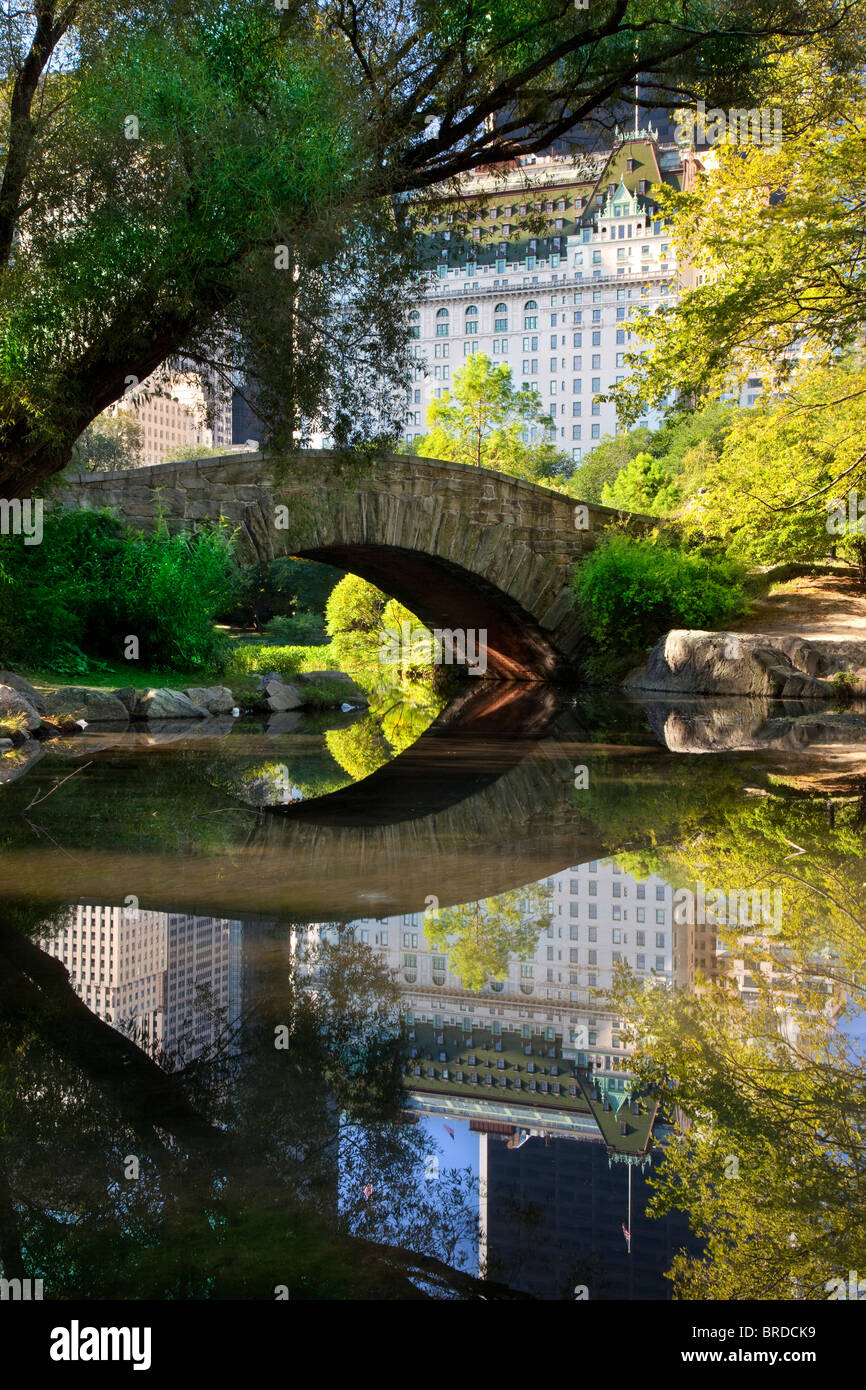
[769, 1161]
[225, 183]
[772, 236]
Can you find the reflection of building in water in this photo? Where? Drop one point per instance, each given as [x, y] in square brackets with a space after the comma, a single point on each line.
[548, 1012]
[600, 916]
[203, 981]
[552, 1217]
[696, 950]
[168, 976]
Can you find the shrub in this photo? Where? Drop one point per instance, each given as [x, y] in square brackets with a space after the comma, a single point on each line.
[259, 657]
[279, 588]
[93, 582]
[631, 591]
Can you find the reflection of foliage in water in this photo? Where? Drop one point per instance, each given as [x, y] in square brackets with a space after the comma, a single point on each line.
[771, 1167]
[481, 938]
[393, 723]
[361, 749]
[252, 1157]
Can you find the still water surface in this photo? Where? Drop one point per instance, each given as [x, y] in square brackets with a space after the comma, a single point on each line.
[282, 1015]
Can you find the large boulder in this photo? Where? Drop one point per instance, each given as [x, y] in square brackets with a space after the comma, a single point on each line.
[127, 695]
[73, 702]
[166, 704]
[216, 699]
[279, 696]
[24, 688]
[690, 662]
[13, 702]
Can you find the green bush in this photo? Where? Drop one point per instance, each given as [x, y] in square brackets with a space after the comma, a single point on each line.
[631, 591]
[250, 657]
[93, 582]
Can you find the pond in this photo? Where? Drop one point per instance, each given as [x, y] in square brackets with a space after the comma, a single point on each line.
[558, 1001]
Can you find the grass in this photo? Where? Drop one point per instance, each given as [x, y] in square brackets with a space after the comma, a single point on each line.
[13, 725]
[249, 653]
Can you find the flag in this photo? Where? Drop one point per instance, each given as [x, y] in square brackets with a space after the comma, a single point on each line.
[627, 1235]
[368, 1191]
[449, 1130]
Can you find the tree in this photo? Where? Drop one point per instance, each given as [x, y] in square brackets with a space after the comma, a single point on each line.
[235, 184]
[481, 938]
[773, 237]
[602, 464]
[782, 487]
[644, 485]
[110, 442]
[353, 617]
[483, 422]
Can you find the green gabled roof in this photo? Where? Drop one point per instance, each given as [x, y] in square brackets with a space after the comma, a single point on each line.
[638, 1138]
[572, 185]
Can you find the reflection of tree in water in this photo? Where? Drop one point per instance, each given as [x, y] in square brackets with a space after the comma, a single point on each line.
[772, 1087]
[393, 723]
[481, 938]
[252, 1158]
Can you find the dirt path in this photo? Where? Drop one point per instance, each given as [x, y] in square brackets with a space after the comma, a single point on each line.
[814, 606]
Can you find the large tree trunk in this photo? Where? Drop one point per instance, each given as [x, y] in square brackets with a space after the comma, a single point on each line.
[27, 462]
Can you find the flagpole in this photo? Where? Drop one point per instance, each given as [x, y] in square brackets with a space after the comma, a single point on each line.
[629, 1209]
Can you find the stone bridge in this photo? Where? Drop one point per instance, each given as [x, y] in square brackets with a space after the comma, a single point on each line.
[463, 547]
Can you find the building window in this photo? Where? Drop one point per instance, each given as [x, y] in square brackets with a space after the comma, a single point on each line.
[442, 323]
[660, 915]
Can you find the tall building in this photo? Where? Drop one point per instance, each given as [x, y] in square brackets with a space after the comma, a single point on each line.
[543, 268]
[552, 1217]
[175, 979]
[168, 422]
[203, 982]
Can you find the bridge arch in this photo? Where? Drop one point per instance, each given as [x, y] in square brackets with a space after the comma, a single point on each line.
[463, 547]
